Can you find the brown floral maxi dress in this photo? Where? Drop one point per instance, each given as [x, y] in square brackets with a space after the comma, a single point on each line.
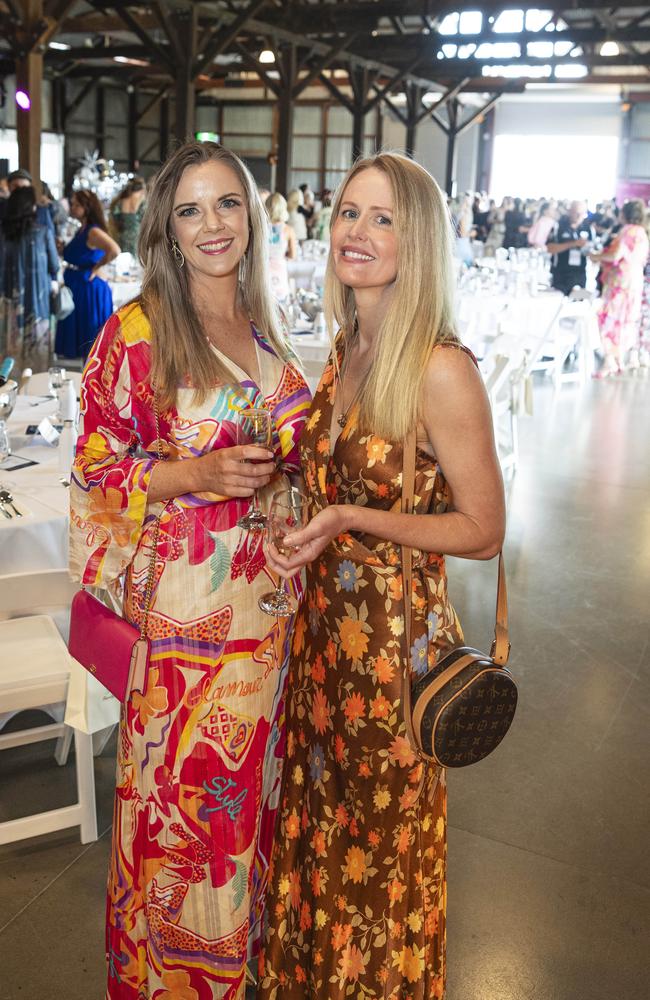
[356, 906]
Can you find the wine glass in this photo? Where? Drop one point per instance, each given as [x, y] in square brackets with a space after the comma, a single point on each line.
[56, 376]
[288, 512]
[254, 427]
[5, 447]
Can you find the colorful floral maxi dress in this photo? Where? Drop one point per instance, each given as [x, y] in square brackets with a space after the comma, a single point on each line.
[200, 751]
[356, 903]
[619, 316]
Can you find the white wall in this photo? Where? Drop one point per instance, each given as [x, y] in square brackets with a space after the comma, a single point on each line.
[534, 115]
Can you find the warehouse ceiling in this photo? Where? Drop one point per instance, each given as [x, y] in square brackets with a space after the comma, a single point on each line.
[392, 48]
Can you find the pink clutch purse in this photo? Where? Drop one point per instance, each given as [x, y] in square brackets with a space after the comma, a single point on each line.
[107, 646]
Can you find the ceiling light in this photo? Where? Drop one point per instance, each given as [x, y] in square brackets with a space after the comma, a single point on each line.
[609, 49]
[266, 56]
[59, 45]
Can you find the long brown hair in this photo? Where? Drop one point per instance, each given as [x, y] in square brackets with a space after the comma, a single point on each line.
[420, 314]
[179, 348]
[92, 207]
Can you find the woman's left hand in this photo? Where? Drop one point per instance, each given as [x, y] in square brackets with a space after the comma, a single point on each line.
[309, 541]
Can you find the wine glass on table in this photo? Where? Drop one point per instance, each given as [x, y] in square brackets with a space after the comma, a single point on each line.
[56, 376]
[288, 513]
[254, 427]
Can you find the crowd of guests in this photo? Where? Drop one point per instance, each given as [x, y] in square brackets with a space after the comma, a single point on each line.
[612, 237]
[37, 257]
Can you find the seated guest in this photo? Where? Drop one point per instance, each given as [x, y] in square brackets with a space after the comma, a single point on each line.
[569, 265]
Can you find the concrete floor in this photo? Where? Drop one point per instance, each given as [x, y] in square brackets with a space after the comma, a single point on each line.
[549, 872]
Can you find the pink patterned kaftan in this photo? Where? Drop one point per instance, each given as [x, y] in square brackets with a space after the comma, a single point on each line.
[200, 751]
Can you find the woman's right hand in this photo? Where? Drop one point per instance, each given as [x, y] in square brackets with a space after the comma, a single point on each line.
[237, 471]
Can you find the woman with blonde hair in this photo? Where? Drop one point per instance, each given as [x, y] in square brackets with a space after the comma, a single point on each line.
[200, 749]
[357, 897]
[283, 245]
[295, 201]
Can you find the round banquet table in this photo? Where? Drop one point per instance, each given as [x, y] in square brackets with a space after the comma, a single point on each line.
[39, 539]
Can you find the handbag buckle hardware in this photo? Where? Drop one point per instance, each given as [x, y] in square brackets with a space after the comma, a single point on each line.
[493, 649]
[93, 669]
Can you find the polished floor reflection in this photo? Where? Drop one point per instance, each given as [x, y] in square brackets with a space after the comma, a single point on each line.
[549, 875]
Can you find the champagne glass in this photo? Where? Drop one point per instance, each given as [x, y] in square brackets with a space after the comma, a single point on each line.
[288, 512]
[254, 427]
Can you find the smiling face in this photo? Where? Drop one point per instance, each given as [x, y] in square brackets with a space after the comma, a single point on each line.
[210, 219]
[364, 242]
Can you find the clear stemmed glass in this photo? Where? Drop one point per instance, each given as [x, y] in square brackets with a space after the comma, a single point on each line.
[254, 427]
[5, 448]
[288, 512]
[56, 376]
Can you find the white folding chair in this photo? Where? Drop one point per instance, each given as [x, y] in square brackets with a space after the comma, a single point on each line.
[34, 674]
[39, 383]
[501, 387]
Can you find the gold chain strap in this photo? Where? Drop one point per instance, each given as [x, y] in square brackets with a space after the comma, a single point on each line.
[156, 532]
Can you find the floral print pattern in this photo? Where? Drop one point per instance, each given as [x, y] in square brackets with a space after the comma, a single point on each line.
[619, 316]
[200, 751]
[356, 904]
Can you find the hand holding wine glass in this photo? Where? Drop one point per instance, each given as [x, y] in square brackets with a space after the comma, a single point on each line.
[288, 512]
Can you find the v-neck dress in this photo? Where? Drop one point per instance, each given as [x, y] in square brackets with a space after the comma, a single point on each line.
[200, 751]
[356, 902]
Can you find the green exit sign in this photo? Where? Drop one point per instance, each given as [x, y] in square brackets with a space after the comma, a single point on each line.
[207, 136]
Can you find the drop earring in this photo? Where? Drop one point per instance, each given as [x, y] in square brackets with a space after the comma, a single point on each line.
[177, 253]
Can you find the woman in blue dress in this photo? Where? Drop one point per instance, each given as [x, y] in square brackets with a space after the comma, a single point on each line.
[86, 254]
[28, 265]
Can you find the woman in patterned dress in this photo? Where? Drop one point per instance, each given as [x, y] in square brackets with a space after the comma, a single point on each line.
[200, 750]
[356, 902]
[619, 316]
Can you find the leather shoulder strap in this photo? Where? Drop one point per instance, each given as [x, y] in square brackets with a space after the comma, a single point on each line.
[501, 645]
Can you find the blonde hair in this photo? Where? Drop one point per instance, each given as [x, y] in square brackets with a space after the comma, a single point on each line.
[420, 314]
[179, 348]
[294, 200]
[276, 206]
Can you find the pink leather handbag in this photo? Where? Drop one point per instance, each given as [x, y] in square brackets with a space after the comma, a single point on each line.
[109, 647]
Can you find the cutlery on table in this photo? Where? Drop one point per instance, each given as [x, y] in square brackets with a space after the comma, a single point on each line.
[7, 500]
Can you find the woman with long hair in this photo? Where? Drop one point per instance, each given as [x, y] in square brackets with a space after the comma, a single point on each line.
[200, 750]
[283, 245]
[622, 266]
[357, 899]
[542, 227]
[28, 265]
[86, 253]
[126, 212]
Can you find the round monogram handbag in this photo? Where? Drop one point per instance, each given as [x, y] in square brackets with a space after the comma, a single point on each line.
[460, 710]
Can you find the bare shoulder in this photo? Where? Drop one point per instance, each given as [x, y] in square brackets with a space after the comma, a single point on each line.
[451, 371]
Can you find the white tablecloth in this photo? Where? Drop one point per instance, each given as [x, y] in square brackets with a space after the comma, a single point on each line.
[123, 291]
[39, 539]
